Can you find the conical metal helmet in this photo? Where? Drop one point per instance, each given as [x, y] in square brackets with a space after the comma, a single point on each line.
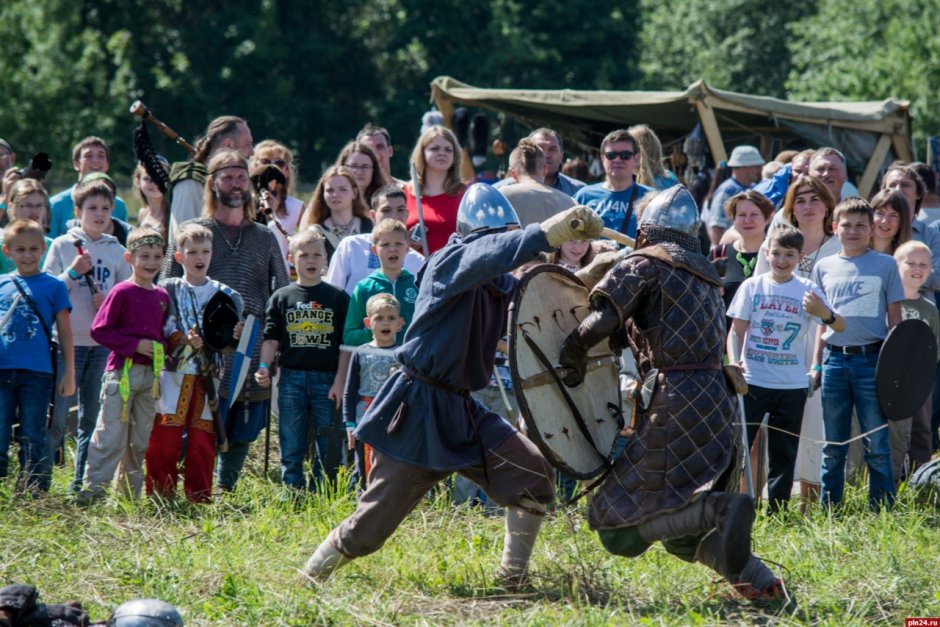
[145, 613]
[673, 208]
[484, 208]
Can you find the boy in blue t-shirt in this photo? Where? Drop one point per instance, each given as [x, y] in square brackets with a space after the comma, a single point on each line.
[865, 287]
[26, 361]
[770, 316]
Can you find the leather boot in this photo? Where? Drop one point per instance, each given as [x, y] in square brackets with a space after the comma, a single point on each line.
[324, 560]
[756, 582]
[522, 527]
[732, 515]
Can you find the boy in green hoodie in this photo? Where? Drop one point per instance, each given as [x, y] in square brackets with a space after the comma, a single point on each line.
[390, 244]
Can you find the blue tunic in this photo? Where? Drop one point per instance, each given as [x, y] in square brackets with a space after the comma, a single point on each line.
[460, 315]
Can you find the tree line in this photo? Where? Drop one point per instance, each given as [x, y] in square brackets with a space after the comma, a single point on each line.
[310, 73]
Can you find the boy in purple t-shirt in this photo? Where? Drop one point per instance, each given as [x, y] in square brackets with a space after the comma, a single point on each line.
[129, 323]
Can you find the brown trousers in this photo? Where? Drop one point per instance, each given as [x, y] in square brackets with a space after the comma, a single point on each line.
[515, 469]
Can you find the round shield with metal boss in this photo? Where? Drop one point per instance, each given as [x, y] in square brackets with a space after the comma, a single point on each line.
[575, 428]
[906, 364]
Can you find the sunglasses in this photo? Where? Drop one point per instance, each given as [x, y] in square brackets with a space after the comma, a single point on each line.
[278, 162]
[622, 154]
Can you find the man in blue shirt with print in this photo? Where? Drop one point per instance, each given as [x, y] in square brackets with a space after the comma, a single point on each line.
[616, 199]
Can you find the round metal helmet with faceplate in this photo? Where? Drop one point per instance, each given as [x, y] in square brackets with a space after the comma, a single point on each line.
[145, 613]
[484, 208]
[673, 208]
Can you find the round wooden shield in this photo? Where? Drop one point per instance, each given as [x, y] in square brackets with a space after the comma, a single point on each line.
[575, 428]
[905, 370]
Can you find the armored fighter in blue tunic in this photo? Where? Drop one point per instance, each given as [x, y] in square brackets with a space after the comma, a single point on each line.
[423, 425]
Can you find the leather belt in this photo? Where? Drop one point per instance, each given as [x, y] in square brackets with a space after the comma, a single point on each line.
[400, 414]
[865, 349]
[439, 384]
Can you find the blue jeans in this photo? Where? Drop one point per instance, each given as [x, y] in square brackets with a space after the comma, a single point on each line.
[849, 380]
[25, 393]
[306, 413]
[89, 366]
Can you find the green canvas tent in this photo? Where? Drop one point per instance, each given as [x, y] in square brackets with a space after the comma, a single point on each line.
[870, 134]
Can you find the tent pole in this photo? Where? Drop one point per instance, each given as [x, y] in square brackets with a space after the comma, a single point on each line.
[901, 148]
[878, 155]
[712, 133]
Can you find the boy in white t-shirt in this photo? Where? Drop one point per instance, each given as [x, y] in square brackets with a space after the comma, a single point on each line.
[771, 313]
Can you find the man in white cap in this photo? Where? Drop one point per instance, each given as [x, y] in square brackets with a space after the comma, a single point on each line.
[745, 164]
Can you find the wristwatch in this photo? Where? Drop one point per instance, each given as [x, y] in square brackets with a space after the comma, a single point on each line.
[830, 319]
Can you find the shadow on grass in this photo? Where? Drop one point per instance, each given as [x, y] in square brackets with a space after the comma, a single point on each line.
[596, 589]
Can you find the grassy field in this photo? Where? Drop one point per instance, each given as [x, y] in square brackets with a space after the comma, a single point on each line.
[235, 563]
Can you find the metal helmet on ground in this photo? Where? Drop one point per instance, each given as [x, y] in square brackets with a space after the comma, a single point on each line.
[926, 481]
[145, 613]
[673, 208]
[484, 208]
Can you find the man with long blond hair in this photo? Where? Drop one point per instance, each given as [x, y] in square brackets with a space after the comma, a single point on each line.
[246, 257]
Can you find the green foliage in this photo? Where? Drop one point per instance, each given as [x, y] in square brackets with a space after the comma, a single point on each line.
[312, 72]
[870, 50]
[61, 79]
[738, 45]
[309, 73]
[553, 44]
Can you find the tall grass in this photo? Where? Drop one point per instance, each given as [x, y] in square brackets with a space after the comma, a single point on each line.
[235, 562]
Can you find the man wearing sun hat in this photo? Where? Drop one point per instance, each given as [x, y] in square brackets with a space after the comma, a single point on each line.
[745, 164]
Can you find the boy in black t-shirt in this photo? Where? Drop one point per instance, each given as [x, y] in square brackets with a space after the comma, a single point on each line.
[304, 328]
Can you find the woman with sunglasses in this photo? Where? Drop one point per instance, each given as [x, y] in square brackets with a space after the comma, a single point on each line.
[286, 210]
[617, 198]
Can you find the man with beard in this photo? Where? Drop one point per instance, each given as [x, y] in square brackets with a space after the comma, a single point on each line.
[675, 479]
[247, 258]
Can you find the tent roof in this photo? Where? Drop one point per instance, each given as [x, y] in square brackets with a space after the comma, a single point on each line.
[869, 134]
[674, 112]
